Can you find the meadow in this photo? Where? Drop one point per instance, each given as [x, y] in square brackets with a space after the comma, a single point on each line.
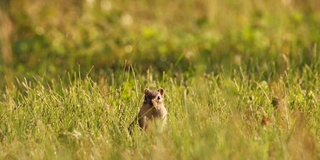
[241, 79]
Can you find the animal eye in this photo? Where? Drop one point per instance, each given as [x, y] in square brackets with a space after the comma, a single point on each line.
[158, 97]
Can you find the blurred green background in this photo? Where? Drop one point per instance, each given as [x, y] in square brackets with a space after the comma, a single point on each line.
[184, 36]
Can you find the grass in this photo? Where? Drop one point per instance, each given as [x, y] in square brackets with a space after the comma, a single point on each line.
[241, 78]
[211, 116]
[52, 37]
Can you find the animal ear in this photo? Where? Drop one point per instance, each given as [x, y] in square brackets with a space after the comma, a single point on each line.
[161, 91]
[146, 91]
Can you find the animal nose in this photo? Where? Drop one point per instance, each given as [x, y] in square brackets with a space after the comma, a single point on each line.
[158, 97]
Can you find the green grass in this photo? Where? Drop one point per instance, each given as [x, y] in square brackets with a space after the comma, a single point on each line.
[211, 116]
[224, 66]
[50, 38]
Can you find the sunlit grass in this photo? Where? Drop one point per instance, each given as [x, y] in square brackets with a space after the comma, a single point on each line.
[241, 79]
[210, 117]
[47, 37]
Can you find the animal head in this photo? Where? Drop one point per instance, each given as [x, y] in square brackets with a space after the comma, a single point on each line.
[154, 98]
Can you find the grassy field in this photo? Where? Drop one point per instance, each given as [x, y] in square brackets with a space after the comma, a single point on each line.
[210, 117]
[241, 79]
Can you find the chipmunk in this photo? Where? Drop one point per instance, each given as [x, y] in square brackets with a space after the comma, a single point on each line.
[152, 109]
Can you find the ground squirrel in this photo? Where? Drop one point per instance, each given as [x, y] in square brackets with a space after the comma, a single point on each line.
[152, 109]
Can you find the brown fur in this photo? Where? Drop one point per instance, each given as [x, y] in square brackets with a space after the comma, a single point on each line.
[152, 109]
